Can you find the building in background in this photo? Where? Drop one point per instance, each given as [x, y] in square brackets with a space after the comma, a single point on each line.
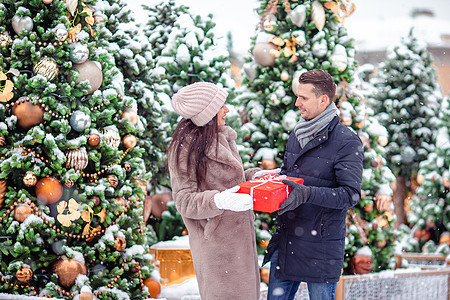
[371, 45]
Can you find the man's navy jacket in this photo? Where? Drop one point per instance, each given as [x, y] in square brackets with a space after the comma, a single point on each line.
[311, 238]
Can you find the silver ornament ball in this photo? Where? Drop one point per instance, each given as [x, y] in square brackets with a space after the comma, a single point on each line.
[80, 121]
[22, 23]
[79, 53]
[61, 34]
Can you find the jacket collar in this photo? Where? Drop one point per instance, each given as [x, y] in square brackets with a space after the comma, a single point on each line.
[226, 148]
[321, 137]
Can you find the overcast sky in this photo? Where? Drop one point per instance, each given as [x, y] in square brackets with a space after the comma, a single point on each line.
[374, 24]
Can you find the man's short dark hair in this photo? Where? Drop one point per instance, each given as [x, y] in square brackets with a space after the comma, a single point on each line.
[322, 81]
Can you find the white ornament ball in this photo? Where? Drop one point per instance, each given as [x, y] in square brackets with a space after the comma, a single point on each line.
[111, 136]
[91, 72]
[79, 53]
[261, 53]
[80, 121]
[298, 15]
[22, 23]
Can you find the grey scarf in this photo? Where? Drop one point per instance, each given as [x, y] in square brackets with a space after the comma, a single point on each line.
[305, 130]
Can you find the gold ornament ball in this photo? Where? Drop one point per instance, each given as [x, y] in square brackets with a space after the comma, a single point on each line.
[121, 200]
[131, 116]
[91, 72]
[382, 140]
[381, 244]
[46, 67]
[69, 183]
[264, 273]
[47, 1]
[93, 139]
[446, 182]
[29, 179]
[159, 203]
[129, 141]
[113, 180]
[347, 120]
[67, 270]
[77, 159]
[420, 178]
[22, 212]
[263, 243]
[120, 244]
[96, 199]
[284, 76]
[361, 264]
[368, 208]
[86, 296]
[268, 164]
[2, 191]
[49, 190]
[28, 114]
[24, 275]
[147, 208]
[445, 238]
[154, 287]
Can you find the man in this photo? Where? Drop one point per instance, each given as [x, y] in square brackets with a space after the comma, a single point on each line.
[308, 244]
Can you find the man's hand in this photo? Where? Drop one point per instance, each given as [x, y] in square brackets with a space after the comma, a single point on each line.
[265, 172]
[299, 195]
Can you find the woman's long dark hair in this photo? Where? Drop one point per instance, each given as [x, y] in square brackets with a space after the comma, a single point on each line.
[198, 139]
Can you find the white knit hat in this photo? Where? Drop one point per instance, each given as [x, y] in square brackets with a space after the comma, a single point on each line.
[199, 101]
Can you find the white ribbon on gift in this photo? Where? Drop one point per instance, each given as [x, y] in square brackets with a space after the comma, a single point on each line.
[268, 178]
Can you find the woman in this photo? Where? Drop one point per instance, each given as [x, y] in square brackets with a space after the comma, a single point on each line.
[204, 166]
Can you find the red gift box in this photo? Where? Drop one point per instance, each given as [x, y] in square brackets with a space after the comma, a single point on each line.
[268, 191]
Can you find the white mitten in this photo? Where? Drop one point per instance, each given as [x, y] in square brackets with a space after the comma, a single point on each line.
[265, 172]
[230, 200]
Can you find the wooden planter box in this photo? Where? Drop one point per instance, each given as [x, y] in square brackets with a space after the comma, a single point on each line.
[423, 260]
[175, 265]
[399, 284]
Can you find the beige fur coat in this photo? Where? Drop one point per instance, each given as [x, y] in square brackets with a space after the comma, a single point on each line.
[222, 242]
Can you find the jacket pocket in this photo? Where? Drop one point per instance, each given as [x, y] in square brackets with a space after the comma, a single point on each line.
[211, 226]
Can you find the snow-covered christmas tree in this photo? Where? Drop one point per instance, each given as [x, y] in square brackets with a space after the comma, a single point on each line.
[134, 57]
[297, 36]
[406, 103]
[71, 205]
[430, 210]
[190, 52]
[161, 19]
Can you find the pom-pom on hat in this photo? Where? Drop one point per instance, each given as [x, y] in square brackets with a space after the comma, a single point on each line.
[199, 101]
